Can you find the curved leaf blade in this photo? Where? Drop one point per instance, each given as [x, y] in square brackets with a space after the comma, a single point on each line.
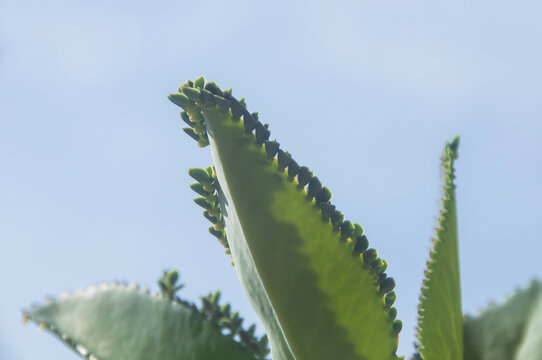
[113, 322]
[323, 299]
[440, 329]
[312, 291]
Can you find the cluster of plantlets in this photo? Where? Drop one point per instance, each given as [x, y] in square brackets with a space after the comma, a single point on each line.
[320, 291]
[206, 186]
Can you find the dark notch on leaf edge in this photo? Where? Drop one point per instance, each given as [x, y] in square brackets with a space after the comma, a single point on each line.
[316, 193]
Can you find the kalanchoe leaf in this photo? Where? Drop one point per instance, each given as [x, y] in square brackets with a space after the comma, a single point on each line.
[125, 322]
[293, 264]
[440, 328]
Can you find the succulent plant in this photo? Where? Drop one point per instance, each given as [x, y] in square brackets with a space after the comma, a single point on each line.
[318, 287]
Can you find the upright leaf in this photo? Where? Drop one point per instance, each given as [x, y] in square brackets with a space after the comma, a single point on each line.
[115, 322]
[319, 291]
[510, 331]
[440, 329]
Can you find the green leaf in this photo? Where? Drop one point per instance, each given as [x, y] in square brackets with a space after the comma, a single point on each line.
[510, 331]
[315, 295]
[115, 322]
[440, 329]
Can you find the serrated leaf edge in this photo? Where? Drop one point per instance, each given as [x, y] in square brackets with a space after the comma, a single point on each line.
[318, 195]
[247, 340]
[448, 173]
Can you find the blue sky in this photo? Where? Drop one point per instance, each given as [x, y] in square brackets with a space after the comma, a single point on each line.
[93, 182]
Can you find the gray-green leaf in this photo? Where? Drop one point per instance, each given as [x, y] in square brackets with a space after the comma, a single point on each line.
[115, 322]
[320, 292]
